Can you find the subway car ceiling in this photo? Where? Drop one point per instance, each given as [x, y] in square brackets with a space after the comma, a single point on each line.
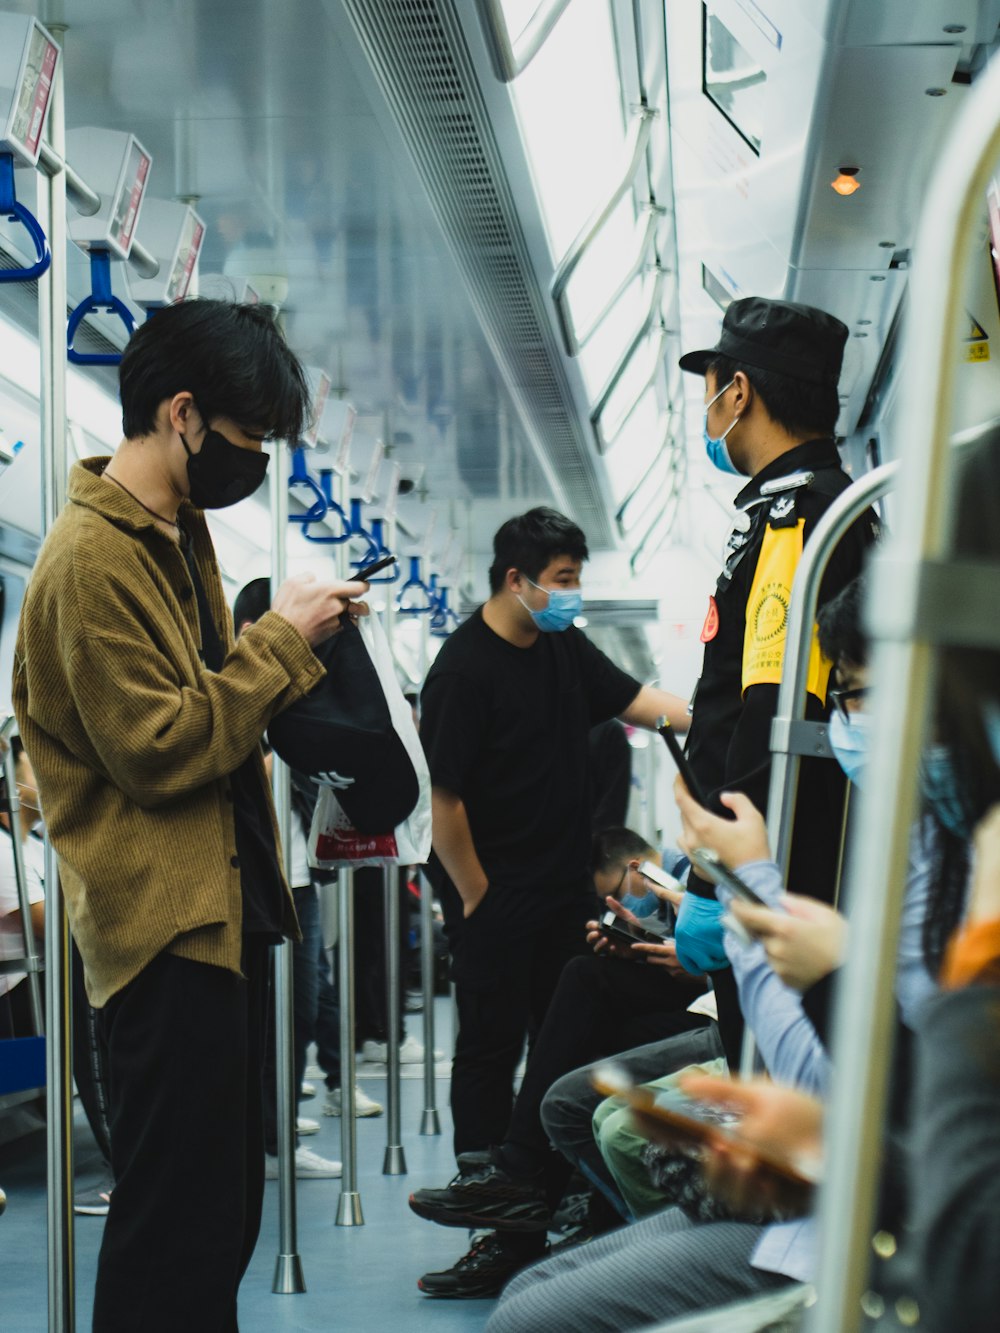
[362, 164]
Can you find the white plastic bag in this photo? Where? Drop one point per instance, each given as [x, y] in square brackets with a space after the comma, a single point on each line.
[333, 841]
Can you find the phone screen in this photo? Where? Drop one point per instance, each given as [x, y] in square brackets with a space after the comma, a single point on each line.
[362, 575]
[612, 924]
[715, 869]
[681, 760]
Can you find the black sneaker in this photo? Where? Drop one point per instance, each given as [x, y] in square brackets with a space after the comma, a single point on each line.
[481, 1272]
[487, 1197]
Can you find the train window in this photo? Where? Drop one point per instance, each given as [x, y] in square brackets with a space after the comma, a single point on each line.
[731, 79]
[716, 289]
[634, 444]
[569, 109]
[613, 253]
[614, 333]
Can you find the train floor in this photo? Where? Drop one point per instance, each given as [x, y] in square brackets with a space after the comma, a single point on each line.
[358, 1279]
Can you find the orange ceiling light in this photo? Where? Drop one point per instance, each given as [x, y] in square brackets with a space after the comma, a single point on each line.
[847, 181]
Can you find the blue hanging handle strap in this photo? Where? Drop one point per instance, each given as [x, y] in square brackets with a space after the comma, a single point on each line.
[16, 212]
[101, 298]
[326, 490]
[300, 478]
[406, 604]
[359, 531]
[377, 536]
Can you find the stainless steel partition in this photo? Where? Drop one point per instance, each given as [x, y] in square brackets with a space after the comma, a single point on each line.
[919, 599]
[31, 962]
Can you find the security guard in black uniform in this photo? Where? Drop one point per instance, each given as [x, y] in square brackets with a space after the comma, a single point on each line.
[771, 408]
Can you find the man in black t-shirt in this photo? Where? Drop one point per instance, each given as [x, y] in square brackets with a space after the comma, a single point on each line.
[507, 710]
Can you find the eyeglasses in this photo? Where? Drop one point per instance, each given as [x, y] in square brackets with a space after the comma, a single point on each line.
[841, 698]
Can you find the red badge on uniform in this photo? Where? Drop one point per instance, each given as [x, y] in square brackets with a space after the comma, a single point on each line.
[711, 626]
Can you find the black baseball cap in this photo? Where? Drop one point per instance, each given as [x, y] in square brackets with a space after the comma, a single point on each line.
[794, 340]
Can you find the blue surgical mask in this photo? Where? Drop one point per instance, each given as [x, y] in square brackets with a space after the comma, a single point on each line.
[639, 904]
[943, 791]
[850, 742]
[565, 604]
[716, 448]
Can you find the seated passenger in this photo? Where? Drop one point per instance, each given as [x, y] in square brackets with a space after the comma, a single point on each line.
[603, 1003]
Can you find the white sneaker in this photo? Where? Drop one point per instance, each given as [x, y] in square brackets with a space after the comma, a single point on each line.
[308, 1166]
[411, 1052]
[306, 1126]
[308, 1090]
[363, 1104]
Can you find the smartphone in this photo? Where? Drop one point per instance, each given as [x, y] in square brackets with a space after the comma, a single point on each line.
[649, 870]
[627, 932]
[715, 869]
[681, 760]
[363, 575]
[668, 1116]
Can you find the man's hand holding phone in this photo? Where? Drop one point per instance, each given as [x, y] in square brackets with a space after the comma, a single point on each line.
[735, 841]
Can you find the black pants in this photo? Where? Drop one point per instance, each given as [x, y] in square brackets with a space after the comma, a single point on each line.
[504, 980]
[370, 1023]
[185, 1051]
[601, 1006]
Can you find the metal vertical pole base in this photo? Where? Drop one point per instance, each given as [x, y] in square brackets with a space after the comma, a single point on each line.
[288, 1277]
[394, 1161]
[430, 1121]
[349, 1212]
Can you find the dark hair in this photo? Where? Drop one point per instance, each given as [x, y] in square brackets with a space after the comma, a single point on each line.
[232, 359]
[533, 540]
[614, 846]
[841, 636]
[805, 409]
[252, 601]
[968, 682]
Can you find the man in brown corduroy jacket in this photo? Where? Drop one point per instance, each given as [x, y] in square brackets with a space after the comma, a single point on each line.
[144, 723]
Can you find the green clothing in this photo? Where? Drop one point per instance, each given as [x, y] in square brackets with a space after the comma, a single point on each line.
[621, 1144]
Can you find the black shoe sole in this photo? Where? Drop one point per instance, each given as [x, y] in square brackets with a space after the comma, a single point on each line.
[486, 1291]
[453, 1217]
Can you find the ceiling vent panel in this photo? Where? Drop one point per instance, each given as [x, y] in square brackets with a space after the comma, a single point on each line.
[418, 54]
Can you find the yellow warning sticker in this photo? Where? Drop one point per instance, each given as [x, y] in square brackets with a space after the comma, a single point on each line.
[767, 614]
[977, 351]
[976, 334]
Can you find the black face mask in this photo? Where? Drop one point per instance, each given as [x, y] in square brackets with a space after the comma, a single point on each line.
[222, 473]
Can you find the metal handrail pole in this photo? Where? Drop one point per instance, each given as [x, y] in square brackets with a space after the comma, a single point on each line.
[512, 57]
[792, 692]
[288, 1275]
[85, 200]
[88, 202]
[641, 128]
[394, 1162]
[430, 1120]
[902, 673]
[349, 1212]
[32, 960]
[58, 1016]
